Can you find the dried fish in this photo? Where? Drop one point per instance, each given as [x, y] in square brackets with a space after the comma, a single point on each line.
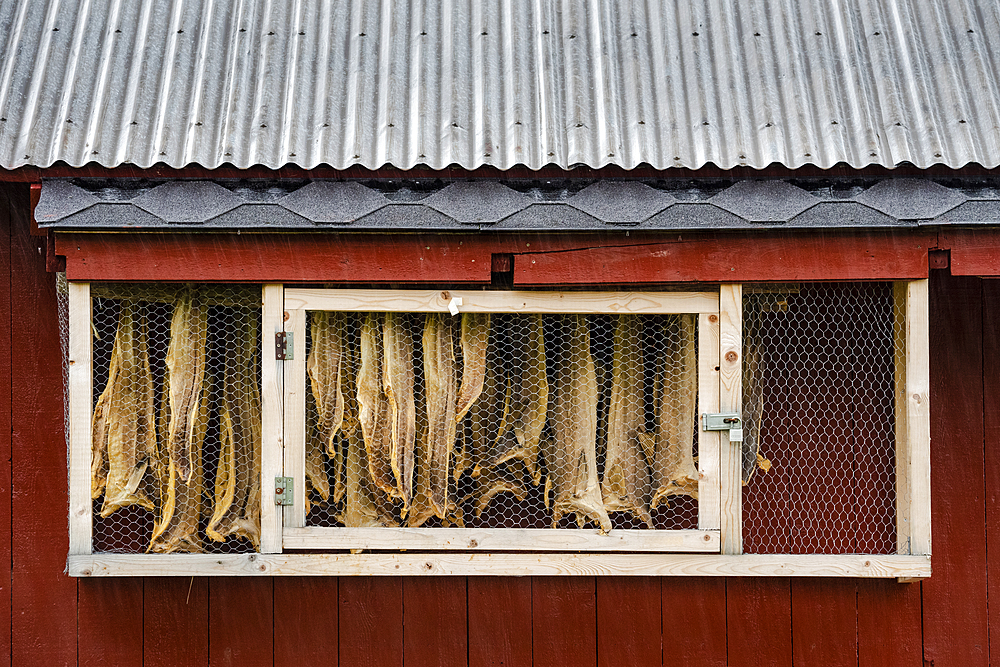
[324, 366]
[186, 366]
[441, 390]
[505, 478]
[373, 407]
[626, 484]
[236, 510]
[475, 344]
[366, 505]
[398, 380]
[187, 394]
[177, 527]
[571, 457]
[125, 419]
[526, 395]
[673, 467]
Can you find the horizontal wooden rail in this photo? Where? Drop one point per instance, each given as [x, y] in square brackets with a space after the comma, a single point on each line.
[506, 565]
[506, 539]
[480, 301]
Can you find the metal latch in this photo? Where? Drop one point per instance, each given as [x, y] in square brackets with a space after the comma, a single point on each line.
[284, 346]
[283, 491]
[723, 421]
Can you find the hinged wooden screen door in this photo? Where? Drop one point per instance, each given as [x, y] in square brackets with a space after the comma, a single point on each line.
[538, 421]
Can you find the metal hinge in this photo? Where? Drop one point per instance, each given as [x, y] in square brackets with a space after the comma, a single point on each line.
[723, 421]
[283, 491]
[284, 346]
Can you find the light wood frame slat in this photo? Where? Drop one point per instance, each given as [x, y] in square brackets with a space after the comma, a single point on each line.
[913, 455]
[500, 564]
[81, 399]
[731, 400]
[508, 539]
[709, 442]
[437, 301]
[271, 455]
[295, 417]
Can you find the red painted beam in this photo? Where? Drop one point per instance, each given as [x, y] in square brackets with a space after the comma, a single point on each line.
[539, 259]
[974, 252]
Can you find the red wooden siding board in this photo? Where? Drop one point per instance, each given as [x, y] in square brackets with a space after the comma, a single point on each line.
[241, 621]
[824, 622]
[371, 622]
[499, 622]
[628, 621]
[991, 390]
[954, 598]
[175, 622]
[306, 628]
[110, 607]
[693, 621]
[759, 621]
[7, 201]
[43, 599]
[552, 259]
[788, 257]
[435, 621]
[974, 252]
[564, 621]
[889, 631]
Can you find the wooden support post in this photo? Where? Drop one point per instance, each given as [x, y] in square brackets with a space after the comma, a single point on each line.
[731, 400]
[295, 418]
[709, 442]
[913, 435]
[271, 464]
[80, 402]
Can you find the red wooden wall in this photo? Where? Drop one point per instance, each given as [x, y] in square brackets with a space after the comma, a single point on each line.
[55, 620]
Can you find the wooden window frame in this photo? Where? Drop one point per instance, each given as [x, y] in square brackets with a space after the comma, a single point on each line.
[284, 310]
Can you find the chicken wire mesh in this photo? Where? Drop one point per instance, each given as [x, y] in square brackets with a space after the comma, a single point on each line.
[176, 423]
[501, 421]
[819, 417]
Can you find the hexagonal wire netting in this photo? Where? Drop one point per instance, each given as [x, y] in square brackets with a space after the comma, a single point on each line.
[819, 413]
[502, 421]
[177, 412]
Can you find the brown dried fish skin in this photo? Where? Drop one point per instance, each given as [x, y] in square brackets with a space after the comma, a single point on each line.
[572, 455]
[373, 407]
[128, 419]
[626, 482]
[398, 382]
[362, 508]
[530, 390]
[674, 469]
[324, 367]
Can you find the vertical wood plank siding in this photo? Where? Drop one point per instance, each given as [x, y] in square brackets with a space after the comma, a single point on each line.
[48, 618]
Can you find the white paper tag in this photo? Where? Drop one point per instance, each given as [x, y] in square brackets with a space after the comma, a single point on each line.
[455, 303]
[735, 435]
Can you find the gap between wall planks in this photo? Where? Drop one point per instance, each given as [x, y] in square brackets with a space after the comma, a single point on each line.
[540, 259]
[955, 617]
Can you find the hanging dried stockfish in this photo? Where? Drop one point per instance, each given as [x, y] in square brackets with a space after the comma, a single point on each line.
[125, 418]
[187, 419]
[571, 458]
[475, 341]
[398, 381]
[366, 505]
[237, 480]
[317, 480]
[373, 407]
[525, 398]
[506, 477]
[177, 527]
[327, 369]
[186, 366]
[674, 470]
[626, 476]
[441, 391]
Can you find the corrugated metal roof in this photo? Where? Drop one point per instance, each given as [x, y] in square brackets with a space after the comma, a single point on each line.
[500, 82]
